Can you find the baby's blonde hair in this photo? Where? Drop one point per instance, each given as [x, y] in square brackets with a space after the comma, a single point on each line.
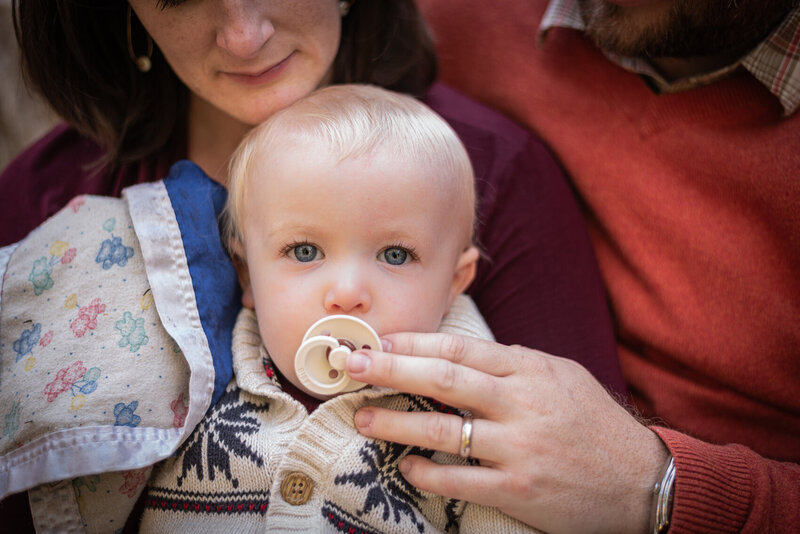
[355, 120]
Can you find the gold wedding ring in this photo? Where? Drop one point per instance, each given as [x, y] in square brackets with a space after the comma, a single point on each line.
[466, 437]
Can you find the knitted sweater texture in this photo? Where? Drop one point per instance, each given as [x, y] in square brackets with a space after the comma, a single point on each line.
[240, 470]
[693, 205]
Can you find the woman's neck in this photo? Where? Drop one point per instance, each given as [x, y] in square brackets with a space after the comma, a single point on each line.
[212, 137]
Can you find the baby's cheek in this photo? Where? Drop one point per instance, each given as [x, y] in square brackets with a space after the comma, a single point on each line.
[414, 318]
[280, 344]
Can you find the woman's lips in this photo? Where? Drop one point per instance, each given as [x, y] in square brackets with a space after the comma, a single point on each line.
[260, 77]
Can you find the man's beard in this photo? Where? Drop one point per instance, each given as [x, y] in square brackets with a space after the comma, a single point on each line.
[683, 28]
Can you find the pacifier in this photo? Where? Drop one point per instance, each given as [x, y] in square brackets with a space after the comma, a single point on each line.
[320, 360]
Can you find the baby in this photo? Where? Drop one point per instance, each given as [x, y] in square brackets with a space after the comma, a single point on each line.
[354, 201]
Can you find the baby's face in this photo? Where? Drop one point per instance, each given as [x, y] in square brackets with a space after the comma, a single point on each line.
[369, 237]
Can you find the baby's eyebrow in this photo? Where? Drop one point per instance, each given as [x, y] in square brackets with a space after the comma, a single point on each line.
[294, 227]
[399, 235]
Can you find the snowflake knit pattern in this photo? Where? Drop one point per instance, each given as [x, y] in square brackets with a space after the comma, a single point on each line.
[259, 462]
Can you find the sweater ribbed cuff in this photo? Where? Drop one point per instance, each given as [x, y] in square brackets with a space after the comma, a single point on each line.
[712, 486]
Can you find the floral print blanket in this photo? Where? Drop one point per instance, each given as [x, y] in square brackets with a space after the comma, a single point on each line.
[115, 322]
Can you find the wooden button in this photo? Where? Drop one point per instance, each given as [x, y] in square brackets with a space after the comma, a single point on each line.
[296, 488]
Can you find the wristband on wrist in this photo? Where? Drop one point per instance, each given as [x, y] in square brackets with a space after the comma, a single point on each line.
[663, 492]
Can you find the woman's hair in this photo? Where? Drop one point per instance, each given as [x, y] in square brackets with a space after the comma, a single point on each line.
[352, 121]
[75, 53]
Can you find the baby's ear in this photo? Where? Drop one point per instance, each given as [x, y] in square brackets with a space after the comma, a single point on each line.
[464, 273]
[240, 264]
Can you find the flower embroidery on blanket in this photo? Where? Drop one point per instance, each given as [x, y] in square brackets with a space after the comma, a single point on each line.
[124, 414]
[134, 479]
[42, 270]
[87, 317]
[65, 379]
[76, 203]
[40, 276]
[113, 251]
[75, 378]
[68, 256]
[11, 421]
[90, 482]
[180, 409]
[147, 300]
[46, 339]
[132, 331]
[27, 340]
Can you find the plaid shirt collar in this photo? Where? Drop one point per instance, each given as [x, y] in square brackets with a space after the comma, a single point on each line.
[775, 62]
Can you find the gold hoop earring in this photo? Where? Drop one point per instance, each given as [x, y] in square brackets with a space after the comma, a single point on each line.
[344, 7]
[142, 62]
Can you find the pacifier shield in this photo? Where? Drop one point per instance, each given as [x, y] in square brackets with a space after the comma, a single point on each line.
[320, 360]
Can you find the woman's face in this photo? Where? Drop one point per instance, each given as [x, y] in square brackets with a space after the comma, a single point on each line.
[247, 58]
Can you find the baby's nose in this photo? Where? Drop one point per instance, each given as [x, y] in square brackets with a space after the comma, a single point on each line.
[348, 295]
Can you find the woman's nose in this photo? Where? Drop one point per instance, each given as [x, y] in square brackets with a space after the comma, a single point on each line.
[243, 27]
[348, 294]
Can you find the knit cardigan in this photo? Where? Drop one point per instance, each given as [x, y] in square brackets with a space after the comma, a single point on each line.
[693, 206]
[259, 462]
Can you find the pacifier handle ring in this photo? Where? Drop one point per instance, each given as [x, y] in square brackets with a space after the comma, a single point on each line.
[313, 368]
[339, 335]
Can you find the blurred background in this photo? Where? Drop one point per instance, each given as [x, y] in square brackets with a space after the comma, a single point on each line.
[23, 116]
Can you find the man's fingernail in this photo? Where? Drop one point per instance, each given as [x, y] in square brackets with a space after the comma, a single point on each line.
[387, 345]
[358, 362]
[363, 418]
[404, 466]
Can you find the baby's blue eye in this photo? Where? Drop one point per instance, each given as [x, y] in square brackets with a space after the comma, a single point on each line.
[395, 256]
[305, 252]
